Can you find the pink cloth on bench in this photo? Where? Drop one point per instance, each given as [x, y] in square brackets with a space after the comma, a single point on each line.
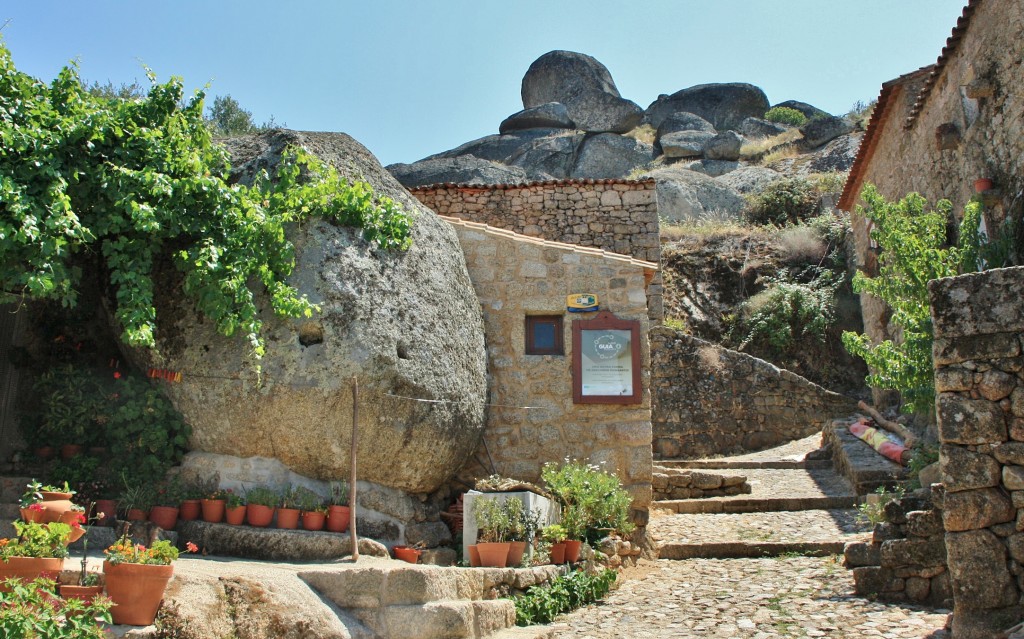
[885, 446]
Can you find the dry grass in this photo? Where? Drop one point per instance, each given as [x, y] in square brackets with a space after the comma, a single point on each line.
[709, 224]
[756, 148]
[783, 153]
[643, 133]
[801, 244]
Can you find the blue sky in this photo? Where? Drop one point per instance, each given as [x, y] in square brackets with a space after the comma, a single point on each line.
[411, 78]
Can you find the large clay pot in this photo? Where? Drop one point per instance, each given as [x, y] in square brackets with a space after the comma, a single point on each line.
[313, 520]
[28, 568]
[108, 508]
[77, 532]
[44, 452]
[407, 554]
[493, 555]
[258, 515]
[70, 451]
[55, 505]
[136, 589]
[84, 593]
[29, 515]
[338, 518]
[136, 514]
[558, 553]
[189, 510]
[164, 516]
[213, 510]
[235, 516]
[474, 556]
[288, 518]
[515, 553]
[572, 550]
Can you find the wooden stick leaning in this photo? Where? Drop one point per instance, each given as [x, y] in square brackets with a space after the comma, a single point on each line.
[352, 469]
[893, 427]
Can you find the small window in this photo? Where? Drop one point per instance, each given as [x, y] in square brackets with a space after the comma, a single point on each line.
[544, 335]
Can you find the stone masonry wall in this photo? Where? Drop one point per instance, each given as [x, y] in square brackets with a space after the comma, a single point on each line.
[516, 276]
[984, 134]
[614, 215]
[714, 401]
[979, 380]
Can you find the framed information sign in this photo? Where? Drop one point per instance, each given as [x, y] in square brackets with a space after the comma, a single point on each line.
[606, 361]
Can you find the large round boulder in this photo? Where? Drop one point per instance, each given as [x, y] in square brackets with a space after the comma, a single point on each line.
[466, 169]
[552, 115]
[809, 110]
[607, 155]
[688, 195]
[822, 130]
[585, 87]
[724, 105]
[406, 325]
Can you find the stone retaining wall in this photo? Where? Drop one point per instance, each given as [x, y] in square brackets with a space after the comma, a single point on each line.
[685, 483]
[979, 380]
[619, 216]
[713, 401]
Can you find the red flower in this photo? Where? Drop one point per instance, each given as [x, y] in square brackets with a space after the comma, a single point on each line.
[191, 547]
[36, 507]
[117, 374]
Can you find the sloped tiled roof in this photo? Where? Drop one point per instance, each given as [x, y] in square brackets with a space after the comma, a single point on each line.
[520, 185]
[526, 239]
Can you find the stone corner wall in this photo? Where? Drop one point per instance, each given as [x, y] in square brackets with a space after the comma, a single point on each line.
[619, 216]
[979, 381]
[711, 400]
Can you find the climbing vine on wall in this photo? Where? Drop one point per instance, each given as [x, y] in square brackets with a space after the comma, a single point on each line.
[120, 181]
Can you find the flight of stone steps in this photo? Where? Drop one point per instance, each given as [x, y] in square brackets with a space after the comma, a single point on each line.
[797, 504]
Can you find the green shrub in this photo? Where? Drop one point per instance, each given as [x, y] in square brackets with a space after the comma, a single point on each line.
[32, 610]
[785, 115]
[785, 201]
[593, 501]
[543, 603]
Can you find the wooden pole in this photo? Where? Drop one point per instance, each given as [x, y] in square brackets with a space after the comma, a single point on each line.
[893, 427]
[352, 500]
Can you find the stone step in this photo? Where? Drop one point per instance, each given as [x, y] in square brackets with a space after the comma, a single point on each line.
[726, 464]
[774, 489]
[526, 632]
[733, 535]
[863, 467]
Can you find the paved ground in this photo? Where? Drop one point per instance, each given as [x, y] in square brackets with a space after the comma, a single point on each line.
[787, 526]
[757, 598]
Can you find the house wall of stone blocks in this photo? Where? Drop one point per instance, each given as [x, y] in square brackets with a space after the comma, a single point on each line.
[532, 418]
[979, 379]
[619, 216]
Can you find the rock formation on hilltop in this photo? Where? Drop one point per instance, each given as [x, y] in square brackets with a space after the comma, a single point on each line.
[405, 324]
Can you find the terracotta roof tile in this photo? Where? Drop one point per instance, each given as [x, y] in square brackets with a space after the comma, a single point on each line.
[520, 185]
[526, 239]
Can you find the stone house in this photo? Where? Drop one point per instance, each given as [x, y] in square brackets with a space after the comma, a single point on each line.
[938, 129]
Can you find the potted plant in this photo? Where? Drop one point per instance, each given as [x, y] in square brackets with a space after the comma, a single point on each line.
[407, 554]
[288, 509]
[136, 577]
[554, 535]
[234, 508]
[164, 509]
[135, 502]
[492, 530]
[261, 502]
[212, 505]
[31, 609]
[338, 512]
[30, 503]
[314, 512]
[89, 584]
[70, 398]
[56, 501]
[192, 491]
[515, 514]
[38, 548]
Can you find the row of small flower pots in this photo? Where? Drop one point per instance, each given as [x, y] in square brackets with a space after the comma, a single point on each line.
[510, 553]
[333, 518]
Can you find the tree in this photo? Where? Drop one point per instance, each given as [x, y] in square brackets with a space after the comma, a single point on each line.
[914, 250]
[227, 117]
[119, 182]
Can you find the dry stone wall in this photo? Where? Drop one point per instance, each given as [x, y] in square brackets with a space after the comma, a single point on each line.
[618, 216]
[532, 418]
[713, 401]
[979, 380]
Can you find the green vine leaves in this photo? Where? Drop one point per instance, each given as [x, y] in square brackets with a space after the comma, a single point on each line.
[85, 177]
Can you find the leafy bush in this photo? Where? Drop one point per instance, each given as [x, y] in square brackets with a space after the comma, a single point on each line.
[32, 610]
[593, 501]
[913, 252]
[873, 512]
[787, 314]
[543, 603]
[785, 115]
[782, 202]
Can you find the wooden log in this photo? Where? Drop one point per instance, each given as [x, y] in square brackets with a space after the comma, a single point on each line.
[893, 427]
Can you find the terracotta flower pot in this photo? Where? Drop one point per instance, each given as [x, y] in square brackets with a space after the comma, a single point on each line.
[31, 515]
[136, 589]
[288, 518]
[164, 516]
[84, 593]
[55, 505]
[44, 452]
[572, 550]
[515, 553]
[474, 556]
[982, 184]
[259, 516]
[338, 518]
[189, 510]
[77, 532]
[493, 555]
[137, 514]
[213, 510]
[70, 451]
[108, 508]
[235, 516]
[28, 568]
[313, 520]
[405, 553]
[558, 553]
